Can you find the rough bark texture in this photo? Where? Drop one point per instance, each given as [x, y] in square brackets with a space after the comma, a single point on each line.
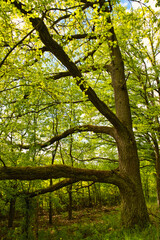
[157, 158]
[60, 171]
[134, 210]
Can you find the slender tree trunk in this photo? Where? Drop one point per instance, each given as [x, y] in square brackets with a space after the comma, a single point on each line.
[99, 195]
[27, 220]
[36, 220]
[50, 210]
[51, 182]
[11, 212]
[146, 188]
[70, 202]
[89, 198]
[50, 205]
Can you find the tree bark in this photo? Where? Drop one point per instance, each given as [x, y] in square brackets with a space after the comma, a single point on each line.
[50, 210]
[61, 171]
[157, 164]
[89, 197]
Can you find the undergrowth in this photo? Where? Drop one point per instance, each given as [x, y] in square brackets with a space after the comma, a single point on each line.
[91, 226]
[108, 230]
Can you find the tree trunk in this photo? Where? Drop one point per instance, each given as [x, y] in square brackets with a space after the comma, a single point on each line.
[89, 198]
[134, 210]
[158, 187]
[50, 205]
[70, 202]
[11, 212]
[27, 222]
[146, 188]
[157, 158]
[37, 219]
[50, 210]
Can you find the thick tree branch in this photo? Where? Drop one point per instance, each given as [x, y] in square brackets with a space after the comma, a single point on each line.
[61, 171]
[84, 128]
[90, 68]
[52, 188]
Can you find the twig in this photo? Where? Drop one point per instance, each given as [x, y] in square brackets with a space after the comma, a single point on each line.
[18, 43]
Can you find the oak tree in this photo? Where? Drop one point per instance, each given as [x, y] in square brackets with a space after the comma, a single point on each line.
[52, 51]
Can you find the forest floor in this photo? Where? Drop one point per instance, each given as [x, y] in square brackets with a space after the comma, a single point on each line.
[101, 223]
[88, 215]
[96, 224]
[88, 223]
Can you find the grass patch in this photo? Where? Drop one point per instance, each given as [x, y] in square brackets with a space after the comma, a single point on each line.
[105, 226]
[101, 232]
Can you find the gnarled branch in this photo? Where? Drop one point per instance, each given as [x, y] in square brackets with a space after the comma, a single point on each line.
[84, 128]
[62, 171]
